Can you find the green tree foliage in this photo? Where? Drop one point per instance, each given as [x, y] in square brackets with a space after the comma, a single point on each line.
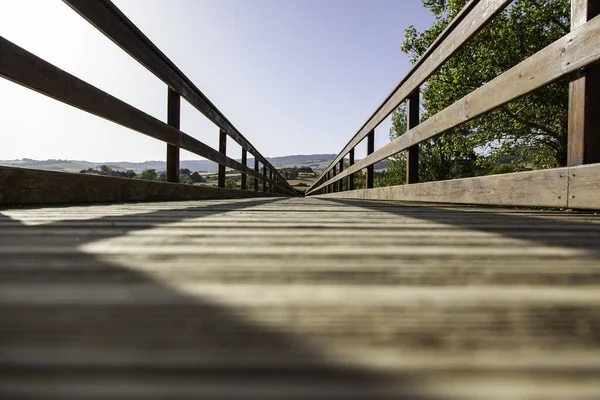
[148, 175]
[532, 130]
[289, 173]
[185, 179]
[231, 184]
[197, 178]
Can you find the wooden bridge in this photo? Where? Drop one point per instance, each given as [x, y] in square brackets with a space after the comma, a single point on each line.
[121, 288]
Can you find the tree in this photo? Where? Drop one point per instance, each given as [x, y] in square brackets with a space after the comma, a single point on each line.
[230, 184]
[197, 178]
[184, 172]
[532, 128]
[148, 174]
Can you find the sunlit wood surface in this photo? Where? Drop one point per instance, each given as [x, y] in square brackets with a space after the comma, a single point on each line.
[298, 298]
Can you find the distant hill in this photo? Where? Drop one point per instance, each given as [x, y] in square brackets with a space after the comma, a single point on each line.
[315, 161]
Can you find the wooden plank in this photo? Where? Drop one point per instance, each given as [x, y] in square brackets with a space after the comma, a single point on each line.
[351, 163]
[173, 119]
[257, 173]
[584, 100]
[567, 55]
[370, 168]
[19, 186]
[546, 188]
[26, 69]
[109, 20]
[584, 187]
[245, 162]
[412, 153]
[222, 150]
[314, 298]
[466, 24]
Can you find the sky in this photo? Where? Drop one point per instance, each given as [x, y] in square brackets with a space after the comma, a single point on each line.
[293, 76]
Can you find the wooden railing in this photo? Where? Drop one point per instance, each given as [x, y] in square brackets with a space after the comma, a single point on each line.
[572, 57]
[26, 69]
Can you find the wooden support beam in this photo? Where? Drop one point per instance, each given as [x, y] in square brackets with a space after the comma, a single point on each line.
[244, 176]
[257, 172]
[584, 98]
[412, 154]
[370, 150]
[351, 163]
[333, 174]
[222, 150]
[341, 181]
[173, 119]
[264, 185]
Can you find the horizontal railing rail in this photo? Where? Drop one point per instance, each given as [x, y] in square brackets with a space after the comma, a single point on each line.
[26, 69]
[565, 58]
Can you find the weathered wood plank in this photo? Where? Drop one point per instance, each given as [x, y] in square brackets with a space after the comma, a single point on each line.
[584, 100]
[413, 119]
[272, 298]
[584, 187]
[567, 55]
[27, 186]
[173, 119]
[467, 23]
[546, 188]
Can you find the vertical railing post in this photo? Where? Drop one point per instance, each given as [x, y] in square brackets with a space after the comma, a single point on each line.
[370, 149]
[173, 119]
[244, 175]
[584, 98]
[264, 185]
[351, 163]
[340, 169]
[271, 180]
[333, 174]
[222, 150]
[257, 171]
[412, 154]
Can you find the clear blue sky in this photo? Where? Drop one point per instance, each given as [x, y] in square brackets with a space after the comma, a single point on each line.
[295, 77]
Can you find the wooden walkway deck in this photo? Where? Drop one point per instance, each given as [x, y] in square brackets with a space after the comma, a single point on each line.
[298, 298]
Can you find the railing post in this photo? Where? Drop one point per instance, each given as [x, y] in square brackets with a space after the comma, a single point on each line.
[173, 119]
[244, 176]
[271, 180]
[584, 98]
[333, 174]
[412, 154]
[264, 185]
[257, 171]
[222, 150]
[370, 149]
[351, 176]
[340, 169]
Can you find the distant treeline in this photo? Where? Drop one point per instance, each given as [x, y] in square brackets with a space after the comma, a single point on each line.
[185, 175]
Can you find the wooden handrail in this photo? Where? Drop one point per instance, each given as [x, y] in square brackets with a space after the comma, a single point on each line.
[26, 69]
[115, 25]
[564, 57]
[470, 20]
[575, 52]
